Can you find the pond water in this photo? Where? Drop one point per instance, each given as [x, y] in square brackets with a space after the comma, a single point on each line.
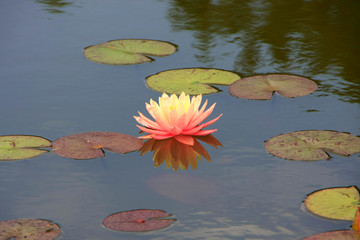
[50, 89]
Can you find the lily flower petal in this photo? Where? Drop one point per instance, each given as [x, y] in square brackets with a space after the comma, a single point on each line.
[178, 117]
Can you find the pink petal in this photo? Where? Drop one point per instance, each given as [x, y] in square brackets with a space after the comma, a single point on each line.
[185, 139]
[205, 132]
[146, 121]
[152, 131]
[199, 118]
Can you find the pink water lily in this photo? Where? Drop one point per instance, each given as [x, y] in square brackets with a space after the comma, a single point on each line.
[177, 117]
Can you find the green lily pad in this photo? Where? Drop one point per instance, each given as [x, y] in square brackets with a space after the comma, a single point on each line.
[15, 147]
[335, 203]
[262, 87]
[128, 51]
[336, 235]
[192, 81]
[29, 229]
[312, 145]
[90, 144]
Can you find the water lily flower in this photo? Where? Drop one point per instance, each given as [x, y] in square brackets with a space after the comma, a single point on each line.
[177, 117]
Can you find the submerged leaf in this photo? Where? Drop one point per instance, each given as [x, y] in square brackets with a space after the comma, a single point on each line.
[262, 87]
[139, 220]
[192, 81]
[335, 203]
[128, 51]
[15, 147]
[29, 229]
[90, 144]
[312, 144]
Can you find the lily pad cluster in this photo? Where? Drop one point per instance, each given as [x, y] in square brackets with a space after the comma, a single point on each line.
[138, 220]
[77, 146]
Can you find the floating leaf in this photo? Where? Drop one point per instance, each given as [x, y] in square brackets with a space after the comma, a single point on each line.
[192, 81]
[14, 147]
[335, 235]
[29, 229]
[128, 51]
[312, 144]
[262, 87]
[335, 203]
[139, 220]
[90, 144]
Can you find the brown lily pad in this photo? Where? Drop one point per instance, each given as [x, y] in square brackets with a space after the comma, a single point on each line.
[139, 220]
[262, 87]
[91, 144]
[312, 145]
[29, 229]
[336, 235]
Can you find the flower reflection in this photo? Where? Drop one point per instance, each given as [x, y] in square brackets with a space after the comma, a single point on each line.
[177, 154]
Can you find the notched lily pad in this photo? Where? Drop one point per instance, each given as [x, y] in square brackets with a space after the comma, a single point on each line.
[312, 145]
[262, 87]
[15, 147]
[335, 203]
[139, 220]
[128, 51]
[192, 81]
[30, 229]
[90, 144]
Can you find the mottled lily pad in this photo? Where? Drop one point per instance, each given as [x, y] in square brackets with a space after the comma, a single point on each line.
[336, 235]
[192, 81]
[90, 144]
[128, 51]
[335, 203]
[15, 147]
[312, 145]
[262, 87]
[139, 220]
[29, 229]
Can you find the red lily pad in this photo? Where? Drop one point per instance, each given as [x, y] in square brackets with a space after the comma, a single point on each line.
[30, 229]
[312, 145]
[336, 235]
[91, 144]
[139, 220]
[262, 87]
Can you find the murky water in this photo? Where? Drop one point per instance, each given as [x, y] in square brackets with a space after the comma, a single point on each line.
[49, 89]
